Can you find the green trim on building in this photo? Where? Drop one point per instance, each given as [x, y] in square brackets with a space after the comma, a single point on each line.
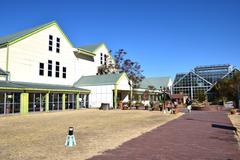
[97, 80]
[24, 93]
[63, 101]
[24, 103]
[85, 52]
[24, 86]
[7, 58]
[47, 102]
[30, 32]
[77, 101]
[11, 89]
[156, 82]
[93, 48]
[115, 96]
[122, 76]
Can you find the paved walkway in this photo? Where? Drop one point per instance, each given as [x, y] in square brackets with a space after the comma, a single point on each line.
[186, 138]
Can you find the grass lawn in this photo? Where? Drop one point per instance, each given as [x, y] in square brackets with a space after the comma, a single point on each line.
[43, 135]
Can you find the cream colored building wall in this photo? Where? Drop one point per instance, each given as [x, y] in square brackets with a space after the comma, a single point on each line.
[3, 57]
[25, 56]
[100, 94]
[2, 78]
[123, 84]
[104, 50]
[84, 68]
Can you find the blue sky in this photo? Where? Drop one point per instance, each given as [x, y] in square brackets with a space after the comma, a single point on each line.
[164, 36]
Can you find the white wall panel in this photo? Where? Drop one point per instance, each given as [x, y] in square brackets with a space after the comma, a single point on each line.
[25, 56]
[100, 94]
[123, 84]
[3, 57]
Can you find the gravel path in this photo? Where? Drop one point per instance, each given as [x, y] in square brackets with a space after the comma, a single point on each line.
[188, 137]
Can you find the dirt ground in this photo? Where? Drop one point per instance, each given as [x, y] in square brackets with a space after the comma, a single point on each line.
[235, 119]
[43, 135]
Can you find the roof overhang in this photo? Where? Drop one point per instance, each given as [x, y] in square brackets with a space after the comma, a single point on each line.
[25, 87]
[38, 29]
[84, 52]
[4, 45]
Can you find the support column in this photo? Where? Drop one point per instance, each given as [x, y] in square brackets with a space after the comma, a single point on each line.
[131, 93]
[24, 103]
[115, 96]
[139, 98]
[77, 101]
[7, 59]
[63, 101]
[47, 102]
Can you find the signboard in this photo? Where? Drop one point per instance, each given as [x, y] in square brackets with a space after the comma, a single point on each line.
[229, 105]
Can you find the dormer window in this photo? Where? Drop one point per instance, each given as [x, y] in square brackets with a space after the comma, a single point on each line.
[50, 45]
[58, 45]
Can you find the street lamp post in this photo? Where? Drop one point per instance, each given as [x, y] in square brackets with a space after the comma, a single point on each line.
[163, 90]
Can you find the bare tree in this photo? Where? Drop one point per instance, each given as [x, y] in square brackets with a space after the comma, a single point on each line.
[131, 68]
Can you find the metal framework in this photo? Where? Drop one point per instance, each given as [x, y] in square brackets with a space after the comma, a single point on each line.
[198, 81]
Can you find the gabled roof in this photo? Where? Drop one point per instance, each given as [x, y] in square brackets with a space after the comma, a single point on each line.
[225, 76]
[15, 37]
[155, 81]
[89, 49]
[191, 72]
[97, 80]
[92, 47]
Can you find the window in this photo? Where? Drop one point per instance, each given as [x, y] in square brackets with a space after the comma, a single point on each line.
[57, 69]
[64, 75]
[101, 58]
[105, 59]
[49, 68]
[41, 69]
[50, 46]
[58, 45]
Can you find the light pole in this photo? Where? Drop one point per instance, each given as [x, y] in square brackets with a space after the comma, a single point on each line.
[163, 90]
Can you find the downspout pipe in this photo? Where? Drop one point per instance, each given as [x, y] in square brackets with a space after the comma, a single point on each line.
[7, 58]
[7, 63]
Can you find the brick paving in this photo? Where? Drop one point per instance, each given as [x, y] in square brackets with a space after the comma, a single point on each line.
[189, 137]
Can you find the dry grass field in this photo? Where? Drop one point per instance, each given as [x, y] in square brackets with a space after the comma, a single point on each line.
[42, 135]
[235, 119]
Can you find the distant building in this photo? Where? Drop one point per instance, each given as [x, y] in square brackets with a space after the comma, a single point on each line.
[199, 80]
[153, 86]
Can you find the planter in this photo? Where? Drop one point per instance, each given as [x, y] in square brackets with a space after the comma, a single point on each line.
[197, 108]
[175, 110]
[233, 111]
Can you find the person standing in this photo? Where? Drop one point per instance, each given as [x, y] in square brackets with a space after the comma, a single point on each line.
[189, 104]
